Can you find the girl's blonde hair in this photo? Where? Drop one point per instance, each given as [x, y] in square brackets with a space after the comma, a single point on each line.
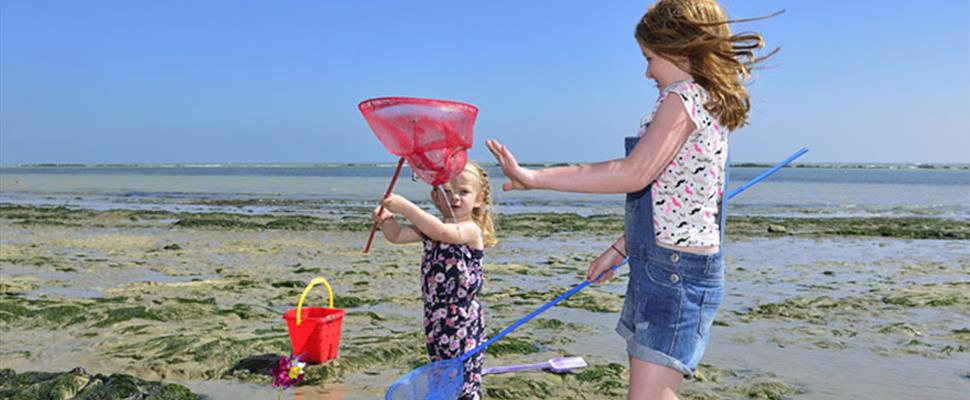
[483, 215]
[719, 61]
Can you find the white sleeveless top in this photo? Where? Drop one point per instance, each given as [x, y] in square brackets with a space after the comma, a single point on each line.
[687, 193]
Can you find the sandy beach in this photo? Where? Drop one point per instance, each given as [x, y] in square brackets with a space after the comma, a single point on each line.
[842, 308]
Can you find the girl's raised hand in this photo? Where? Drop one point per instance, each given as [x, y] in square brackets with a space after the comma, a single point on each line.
[395, 203]
[519, 178]
[380, 214]
[604, 262]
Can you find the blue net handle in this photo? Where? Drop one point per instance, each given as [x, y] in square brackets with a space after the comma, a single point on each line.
[584, 284]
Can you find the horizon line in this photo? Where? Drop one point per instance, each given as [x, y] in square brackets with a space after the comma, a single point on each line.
[857, 164]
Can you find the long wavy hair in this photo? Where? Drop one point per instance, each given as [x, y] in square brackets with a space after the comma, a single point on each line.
[483, 215]
[720, 61]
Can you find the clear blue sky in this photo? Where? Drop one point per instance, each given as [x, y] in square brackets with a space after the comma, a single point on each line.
[255, 81]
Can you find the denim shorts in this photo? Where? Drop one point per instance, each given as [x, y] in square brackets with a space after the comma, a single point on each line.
[671, 300]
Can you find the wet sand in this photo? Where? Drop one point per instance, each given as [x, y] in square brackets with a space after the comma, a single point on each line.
[819, 309]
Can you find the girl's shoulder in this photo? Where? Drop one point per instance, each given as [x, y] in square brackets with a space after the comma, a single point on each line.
[688, 90]
[694, 98]
[692, 95]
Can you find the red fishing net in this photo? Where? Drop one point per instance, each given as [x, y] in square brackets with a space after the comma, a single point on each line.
[432, 135]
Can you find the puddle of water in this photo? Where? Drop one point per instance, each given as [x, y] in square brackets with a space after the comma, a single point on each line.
[82, 285]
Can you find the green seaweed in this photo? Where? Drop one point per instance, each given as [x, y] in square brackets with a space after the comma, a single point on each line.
[770, 389]
[511, 345]
[600, 372]
[518, 388]
[609, 379]
[63, 314]
[370, 314]
[296, 222]
[10, 311]
[594, 302]
[526, 224]
[79, 385]
[931, 295]
[204, 222]
[288, 284]
[350, 302]
[117, 315]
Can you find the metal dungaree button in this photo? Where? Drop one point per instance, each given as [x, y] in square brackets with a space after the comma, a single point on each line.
[675, 257]
[674, 278]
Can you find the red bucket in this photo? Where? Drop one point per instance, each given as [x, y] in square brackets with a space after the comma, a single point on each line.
[315, 331]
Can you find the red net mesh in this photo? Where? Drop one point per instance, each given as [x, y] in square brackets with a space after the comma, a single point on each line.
[432, 135]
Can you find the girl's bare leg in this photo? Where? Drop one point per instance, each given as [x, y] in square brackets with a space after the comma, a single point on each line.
[652, 382]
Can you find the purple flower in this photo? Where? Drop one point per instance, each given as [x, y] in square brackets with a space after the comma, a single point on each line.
[287, 372]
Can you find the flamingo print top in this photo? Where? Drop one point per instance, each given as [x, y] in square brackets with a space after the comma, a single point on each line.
[687, 193]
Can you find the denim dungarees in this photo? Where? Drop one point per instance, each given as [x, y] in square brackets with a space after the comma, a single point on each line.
[672, 296]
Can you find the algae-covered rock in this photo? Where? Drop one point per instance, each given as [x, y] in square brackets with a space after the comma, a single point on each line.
[77, 384]
[17, 285]
[772, 228]
[770, 389]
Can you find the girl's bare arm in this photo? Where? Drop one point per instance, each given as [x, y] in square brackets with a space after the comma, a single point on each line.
[466, 232]
[399, 234]
[432, 227]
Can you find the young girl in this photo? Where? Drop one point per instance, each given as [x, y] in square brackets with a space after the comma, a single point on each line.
[674, 176]
[451, 269]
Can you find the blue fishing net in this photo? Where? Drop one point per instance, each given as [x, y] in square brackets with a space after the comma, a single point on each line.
[439, 380]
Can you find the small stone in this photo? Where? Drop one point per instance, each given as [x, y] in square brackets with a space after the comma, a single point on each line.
[777, 229]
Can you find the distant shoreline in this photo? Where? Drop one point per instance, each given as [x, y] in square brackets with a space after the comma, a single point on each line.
[535, 224]
[894, 166]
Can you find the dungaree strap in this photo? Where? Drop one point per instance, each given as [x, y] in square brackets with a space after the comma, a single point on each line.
[641, 237]
[724, 195]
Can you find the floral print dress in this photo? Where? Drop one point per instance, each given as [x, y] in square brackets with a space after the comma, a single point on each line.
[451, 277]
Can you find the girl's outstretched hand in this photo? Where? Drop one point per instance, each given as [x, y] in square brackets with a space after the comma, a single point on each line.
[604, 262]
[519, 178]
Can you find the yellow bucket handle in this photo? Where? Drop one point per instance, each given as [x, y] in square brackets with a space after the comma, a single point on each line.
[299, 305]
